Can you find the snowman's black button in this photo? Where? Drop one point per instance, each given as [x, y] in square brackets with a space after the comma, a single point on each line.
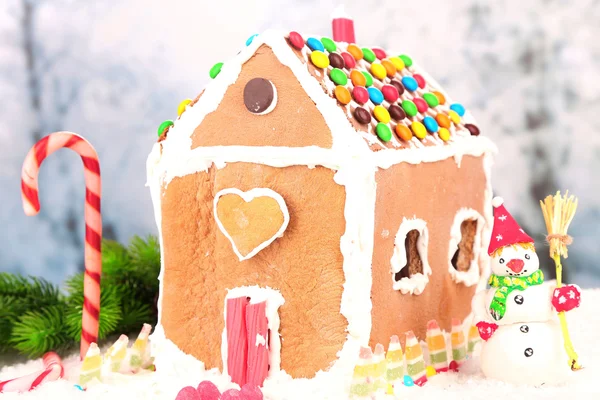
[528, 352]
[519, 299]
[524, 328]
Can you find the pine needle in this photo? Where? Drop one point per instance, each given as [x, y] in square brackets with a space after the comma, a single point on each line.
[37, 331]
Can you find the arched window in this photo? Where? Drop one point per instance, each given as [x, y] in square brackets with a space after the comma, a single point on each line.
[410, 268]
[465, 246]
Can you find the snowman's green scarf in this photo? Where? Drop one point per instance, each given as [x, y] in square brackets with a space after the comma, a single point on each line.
[505, 285]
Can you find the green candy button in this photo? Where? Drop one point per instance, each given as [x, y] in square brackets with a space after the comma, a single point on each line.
[164, 126]
[214, 71]
[368, 54]
[431, 99]
[368, 78]
[409, 108]
[407, 60]
[338, 76]
[328, 44]
[384, 132]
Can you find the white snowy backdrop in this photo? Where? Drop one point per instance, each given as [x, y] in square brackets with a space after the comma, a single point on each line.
[113, 70]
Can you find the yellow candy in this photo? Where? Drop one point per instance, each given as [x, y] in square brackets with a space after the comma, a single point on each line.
[454, 117]
[398, 63]
[419, 129]
[378, 71]
[430, 371]
[319, 59]
[444, 134]
[181, 107]
[381, 114]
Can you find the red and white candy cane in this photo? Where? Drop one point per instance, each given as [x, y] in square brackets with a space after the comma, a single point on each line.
[53, 370]
[93, 219]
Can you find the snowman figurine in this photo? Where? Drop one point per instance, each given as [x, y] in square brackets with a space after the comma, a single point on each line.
[517, 316]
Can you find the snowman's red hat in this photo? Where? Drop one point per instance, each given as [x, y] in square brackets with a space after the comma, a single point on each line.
[506, 231]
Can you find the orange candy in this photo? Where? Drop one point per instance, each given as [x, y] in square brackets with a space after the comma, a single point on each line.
[443, 120]
[440, 97]
[342, 94]
[357, 78]
[389, 67]
[355, 51]
[403, 132]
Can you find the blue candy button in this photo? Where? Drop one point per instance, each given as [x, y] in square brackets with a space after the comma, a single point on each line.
[250, 39]
[431, 124]
[410, 83]
[315, 44]
[408, 381]
[375, 95]
[458, 108]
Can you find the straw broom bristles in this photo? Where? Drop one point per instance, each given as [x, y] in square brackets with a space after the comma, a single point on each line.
[558, 214]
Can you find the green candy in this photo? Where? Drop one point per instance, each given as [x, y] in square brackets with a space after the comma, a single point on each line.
[338, 77]
[384, 132]
[407, 60]
[409, 108]
[164, 126]
[368, 54]
[368, 78]
[431, 99]
[328, 44]
[214, 71]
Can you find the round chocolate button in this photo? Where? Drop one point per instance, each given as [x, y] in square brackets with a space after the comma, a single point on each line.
[397, 112]
[524, 328]
[397, 85]
[259, 96]
[528, 352]
[362, 115]
[473, 129]
[519, 299]
[336, 61]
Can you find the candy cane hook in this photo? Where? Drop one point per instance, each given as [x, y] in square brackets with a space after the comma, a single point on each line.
[53, 370]
[93, 219]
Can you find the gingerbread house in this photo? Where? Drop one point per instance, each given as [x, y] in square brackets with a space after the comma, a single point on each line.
[317, 196]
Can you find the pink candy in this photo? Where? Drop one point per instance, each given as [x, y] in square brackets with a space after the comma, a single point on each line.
[208, 391]
[188, 393]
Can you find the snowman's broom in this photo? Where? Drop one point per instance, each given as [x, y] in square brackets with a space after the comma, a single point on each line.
[558, 214]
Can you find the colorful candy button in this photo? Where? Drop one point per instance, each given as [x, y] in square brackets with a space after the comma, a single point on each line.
[408, 381]
[398, 86]
[420, 80]
[342, 94]
[214, 71]
[379, 53]
[319, 59]
[362, 115]
[458, 108]
[430, 371]
[398, 63]
[444, 134]
[440, 97]
[474, 130]
[430, 124]
[381, 114]
[443, 120]
[355, 51]
[383, 132]
[296, 40]
[328, 44]
[410, 83]
[357, 78]
[164, 126]
[454, 117]
[375, 95]
[368, 78]
[336, 61]
[418, 129]
[403, 132]
[396, 112]
[181, 107]
[378, 71]
[390, 93]
[431, 99]
[348, 60]
[338, 76]
[421, 104]
[409, 108]
[407, 60]
[360, 94]
[368, 54]
[390, 69]
[315, 44]
[250, 39]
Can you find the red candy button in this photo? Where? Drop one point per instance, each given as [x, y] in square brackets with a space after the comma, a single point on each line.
[296, 40]
[348, 60]
[421, 104]
[420, 80]
[390, 93]
[360, 94]
[379, 53]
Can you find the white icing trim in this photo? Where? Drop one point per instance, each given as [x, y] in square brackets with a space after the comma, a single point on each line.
[497, 201]
[472, 276]
[486, 233]
[273, 103]
[248, 197]
[274, 300]
[416, 283]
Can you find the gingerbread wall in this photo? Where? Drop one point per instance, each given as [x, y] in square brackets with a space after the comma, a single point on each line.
[305, 265]
[433, 192]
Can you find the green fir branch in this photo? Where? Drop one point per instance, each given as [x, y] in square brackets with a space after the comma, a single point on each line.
[38, 331]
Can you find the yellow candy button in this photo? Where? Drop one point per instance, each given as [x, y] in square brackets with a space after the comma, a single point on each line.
[430, 371]
[319, 59]
[398, 63]
[454, 117]
[378, 71]
[444, 134]
[181, 107]
[381, 114]
[419, 129]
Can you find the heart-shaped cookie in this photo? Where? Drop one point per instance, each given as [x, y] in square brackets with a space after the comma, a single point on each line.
[251, 220]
